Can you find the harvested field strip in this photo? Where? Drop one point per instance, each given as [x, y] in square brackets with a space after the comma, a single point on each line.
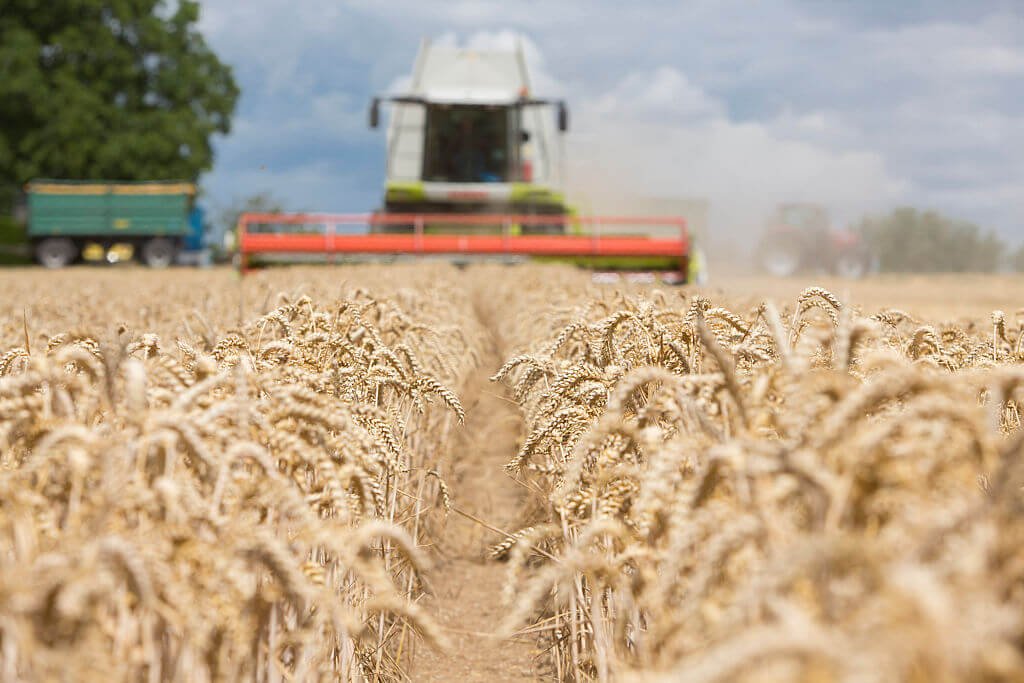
[467, 600]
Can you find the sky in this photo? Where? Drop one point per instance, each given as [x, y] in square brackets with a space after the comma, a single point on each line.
[859, 105]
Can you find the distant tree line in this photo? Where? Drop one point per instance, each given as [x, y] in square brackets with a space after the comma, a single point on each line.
[909, 240]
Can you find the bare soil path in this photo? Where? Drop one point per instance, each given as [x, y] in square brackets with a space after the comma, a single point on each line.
[467, 586]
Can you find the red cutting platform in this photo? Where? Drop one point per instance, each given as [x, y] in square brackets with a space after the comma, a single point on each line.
[320, 235]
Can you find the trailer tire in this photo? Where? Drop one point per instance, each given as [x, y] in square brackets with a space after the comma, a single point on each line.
[55, 252]
[158, 252]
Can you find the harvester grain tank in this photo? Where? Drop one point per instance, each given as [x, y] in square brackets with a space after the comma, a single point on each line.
[469, 137]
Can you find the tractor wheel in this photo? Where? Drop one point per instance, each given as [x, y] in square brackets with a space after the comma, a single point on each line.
[780, 256]
[55, 252]
[851, 265]
[158, 252]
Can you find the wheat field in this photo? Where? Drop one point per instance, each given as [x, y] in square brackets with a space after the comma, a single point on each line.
[415, 472]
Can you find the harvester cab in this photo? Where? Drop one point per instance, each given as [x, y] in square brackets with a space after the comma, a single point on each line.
[468, 138]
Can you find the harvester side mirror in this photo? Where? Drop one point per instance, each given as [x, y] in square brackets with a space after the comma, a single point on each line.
[563, 117]
[375, 112]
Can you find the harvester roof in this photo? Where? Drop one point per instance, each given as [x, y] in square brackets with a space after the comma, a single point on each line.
[461, 76]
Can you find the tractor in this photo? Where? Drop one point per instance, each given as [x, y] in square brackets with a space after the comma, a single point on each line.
[799, 237]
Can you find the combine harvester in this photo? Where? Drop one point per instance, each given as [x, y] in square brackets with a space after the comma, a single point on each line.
[475, 167]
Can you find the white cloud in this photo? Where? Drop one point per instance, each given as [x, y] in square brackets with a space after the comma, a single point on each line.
[664, 93]
[694, 149]
[986, 60]
[821, 126]
[400, 85]
[941, 52]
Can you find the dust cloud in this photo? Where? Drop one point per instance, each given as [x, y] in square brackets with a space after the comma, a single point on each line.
[726, 178]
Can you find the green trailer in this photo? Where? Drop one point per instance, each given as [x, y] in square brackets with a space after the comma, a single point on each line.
[65, 217]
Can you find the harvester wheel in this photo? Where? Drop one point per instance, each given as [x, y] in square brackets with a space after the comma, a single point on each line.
[543, 229]
[158, 252]
[389, 228]
[554, 228]
[56, 252]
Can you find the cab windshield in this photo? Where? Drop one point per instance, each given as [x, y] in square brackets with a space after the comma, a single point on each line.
[466, 144]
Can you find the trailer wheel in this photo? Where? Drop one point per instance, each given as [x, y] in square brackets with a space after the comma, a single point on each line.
[158, 252]
[55, 252]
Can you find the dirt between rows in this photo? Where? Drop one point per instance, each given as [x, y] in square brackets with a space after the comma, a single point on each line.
[466, 584]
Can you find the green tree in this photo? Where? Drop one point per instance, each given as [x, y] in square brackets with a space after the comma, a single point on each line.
[910, 240]
[108, 89]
